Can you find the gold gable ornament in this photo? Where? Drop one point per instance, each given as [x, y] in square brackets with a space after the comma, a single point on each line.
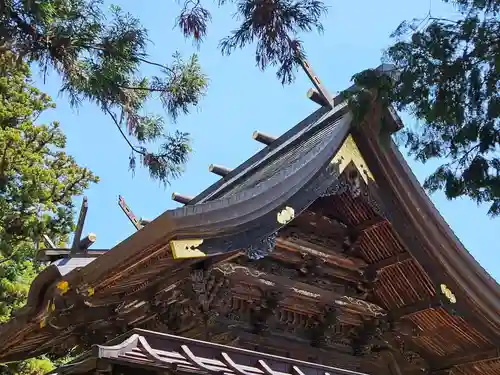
[349, 152]
[285, 215]
[63, 287]
[448, 293]
[186, 249]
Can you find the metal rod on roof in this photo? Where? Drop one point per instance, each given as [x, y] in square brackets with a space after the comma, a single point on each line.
[219, 170]
[183, 199]
[263, 138]
[80, 223]
[313, 94]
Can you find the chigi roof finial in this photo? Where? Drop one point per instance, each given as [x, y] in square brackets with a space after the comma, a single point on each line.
[324, 99]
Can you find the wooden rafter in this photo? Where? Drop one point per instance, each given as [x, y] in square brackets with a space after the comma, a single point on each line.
[391, 261]
[430, 303]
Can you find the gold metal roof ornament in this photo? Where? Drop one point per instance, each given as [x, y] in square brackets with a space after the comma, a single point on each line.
[285, 215]
[186, 249]
[450, 296]
[349, 152]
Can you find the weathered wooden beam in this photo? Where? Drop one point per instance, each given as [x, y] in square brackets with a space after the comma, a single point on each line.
[279, 340]
[87, 241]
[80, 224]
[263, 138]
[183, 199]
[296, 289]
[311, 268]
[326, 256]
[219, 170]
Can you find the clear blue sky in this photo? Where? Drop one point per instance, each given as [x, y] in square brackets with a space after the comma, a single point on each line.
[242, 99]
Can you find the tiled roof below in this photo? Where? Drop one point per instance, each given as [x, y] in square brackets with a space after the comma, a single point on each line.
[182, 355]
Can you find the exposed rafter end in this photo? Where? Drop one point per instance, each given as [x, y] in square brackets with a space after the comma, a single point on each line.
[313, 94]
[263, 138]
[183, 199]
[219, 170]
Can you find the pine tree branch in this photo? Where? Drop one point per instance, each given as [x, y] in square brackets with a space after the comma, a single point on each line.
[146, 61]
[124, 136]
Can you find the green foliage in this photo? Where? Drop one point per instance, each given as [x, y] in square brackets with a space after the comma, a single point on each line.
[99, 58]
[450, 71]
[32, 366]
[38, 181]
[449, 80]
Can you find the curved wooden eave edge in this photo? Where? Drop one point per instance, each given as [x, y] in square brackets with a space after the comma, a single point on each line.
[214, 220]
[218, 218]
[383, 156]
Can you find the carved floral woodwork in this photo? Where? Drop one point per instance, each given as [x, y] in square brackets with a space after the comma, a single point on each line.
[263, 311]
[209, 294]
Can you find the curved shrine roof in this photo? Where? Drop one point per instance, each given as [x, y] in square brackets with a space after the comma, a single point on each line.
[423, 273]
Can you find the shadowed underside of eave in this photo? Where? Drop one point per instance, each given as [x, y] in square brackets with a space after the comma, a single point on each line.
[429, 238]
